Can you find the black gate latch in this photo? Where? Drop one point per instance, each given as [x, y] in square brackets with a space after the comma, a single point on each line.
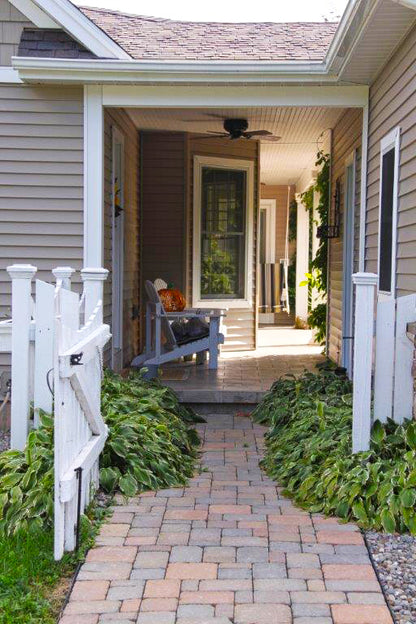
[75, 359]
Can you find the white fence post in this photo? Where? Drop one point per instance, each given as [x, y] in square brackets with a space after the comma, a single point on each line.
[63, 277]
[21, 276]
[384, 362]
[363, 358]
[93, 289]
[403, 378]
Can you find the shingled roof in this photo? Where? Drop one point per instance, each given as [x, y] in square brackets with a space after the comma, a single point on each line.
[163, 39]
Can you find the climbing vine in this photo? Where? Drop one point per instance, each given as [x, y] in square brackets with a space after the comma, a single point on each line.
[318, 266]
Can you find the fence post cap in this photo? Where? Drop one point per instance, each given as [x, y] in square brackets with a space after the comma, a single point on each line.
[92, 273]
[365, 278]
[21, 271]
[63, 271]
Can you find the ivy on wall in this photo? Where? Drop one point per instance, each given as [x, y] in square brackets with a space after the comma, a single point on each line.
[318, 267]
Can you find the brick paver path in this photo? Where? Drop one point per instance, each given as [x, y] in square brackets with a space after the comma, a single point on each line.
[227, 549]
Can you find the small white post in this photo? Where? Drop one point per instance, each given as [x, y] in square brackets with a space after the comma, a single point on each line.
[21, 276]
[365, 284]
[63, 276]
[93, 280]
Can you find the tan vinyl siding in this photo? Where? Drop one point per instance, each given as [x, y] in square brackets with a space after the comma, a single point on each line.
[241, 324]
[12, 23]
[131, 285]
[393, 103]
[163, 207]
[346, 139]
[41, 171]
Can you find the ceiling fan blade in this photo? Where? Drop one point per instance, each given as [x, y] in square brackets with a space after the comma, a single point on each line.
[251, 133]
[215, 135]
[216, 132]
[270, 139]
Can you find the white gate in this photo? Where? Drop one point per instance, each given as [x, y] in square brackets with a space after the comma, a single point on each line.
[387, 352]
[60, 337]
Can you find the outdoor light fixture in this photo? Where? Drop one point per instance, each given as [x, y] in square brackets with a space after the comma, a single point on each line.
[332, 230]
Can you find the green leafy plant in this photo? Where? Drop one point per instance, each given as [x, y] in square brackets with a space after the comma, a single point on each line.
[150, 444]
[317, 277]
[218, 271]
[26, 482]
[309, 453]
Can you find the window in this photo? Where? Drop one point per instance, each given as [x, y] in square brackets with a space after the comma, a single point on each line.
[388, 212]
[222, 212]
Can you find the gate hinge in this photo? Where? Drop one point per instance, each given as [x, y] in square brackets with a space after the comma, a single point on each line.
[75, 359]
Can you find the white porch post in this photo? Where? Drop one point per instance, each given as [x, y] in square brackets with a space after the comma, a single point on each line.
[365, 284]
[21, 276]
[363, 189]
[93, 280]
[93, 176]
[302, 260]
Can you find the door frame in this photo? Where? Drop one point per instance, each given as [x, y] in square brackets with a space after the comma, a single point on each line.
[348, 246]
[269, 205]
[117, 253]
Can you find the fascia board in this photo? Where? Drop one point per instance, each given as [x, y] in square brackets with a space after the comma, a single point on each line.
[37, 16]
[110, 71]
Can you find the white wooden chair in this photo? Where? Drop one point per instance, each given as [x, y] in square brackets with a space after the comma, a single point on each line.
[161, 344]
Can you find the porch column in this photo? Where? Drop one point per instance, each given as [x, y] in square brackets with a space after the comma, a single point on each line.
[93, 176]
[365, 285]
[302, 260]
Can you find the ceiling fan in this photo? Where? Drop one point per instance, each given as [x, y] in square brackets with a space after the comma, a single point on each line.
[238, 129]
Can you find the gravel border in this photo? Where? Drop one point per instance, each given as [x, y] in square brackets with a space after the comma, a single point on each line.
[394, 557]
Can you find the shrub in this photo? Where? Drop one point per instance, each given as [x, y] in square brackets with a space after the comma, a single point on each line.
[309, 453]
[150, 446]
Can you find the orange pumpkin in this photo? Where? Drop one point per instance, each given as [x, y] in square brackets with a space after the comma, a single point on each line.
[172, 299]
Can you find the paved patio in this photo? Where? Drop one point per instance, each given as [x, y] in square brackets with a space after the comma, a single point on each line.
[244, 376]
[228, 549]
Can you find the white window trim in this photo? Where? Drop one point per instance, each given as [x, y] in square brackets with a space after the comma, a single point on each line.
[222, 163]
[391, 140]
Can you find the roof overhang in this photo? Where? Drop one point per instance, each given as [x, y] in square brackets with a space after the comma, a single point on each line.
[63, 14]
[347, 60]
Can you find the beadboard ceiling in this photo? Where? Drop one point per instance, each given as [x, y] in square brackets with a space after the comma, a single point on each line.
[285, 162]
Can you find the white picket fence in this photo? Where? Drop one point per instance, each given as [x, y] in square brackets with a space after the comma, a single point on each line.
[383, 353]
[56, 342]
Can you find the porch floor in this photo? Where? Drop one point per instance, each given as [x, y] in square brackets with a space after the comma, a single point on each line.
[244, 376]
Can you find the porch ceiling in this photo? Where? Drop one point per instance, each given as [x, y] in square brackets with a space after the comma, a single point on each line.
[284, 162]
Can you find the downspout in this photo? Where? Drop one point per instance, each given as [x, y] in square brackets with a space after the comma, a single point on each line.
[363, 188]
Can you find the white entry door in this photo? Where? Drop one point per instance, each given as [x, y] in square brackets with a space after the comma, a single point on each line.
[348, 267]
[117, 248]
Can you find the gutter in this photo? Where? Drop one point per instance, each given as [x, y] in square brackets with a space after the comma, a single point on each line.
[35, 69]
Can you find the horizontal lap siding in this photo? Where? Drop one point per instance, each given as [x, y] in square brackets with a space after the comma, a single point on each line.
[346, 138]
[131, 284]
[393, 103]
[41, 172]
[12, 23]
[41, 190]
[241, 324]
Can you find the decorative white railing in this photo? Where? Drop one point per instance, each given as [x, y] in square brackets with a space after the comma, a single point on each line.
[56, 342]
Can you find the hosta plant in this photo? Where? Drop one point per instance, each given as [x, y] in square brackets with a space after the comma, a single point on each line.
[309, 453]
[151, 445]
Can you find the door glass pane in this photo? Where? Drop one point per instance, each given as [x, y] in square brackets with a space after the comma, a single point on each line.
[223, 218]
[386, 220]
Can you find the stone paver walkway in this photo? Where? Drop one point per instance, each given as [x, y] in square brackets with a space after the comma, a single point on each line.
[228, 549]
